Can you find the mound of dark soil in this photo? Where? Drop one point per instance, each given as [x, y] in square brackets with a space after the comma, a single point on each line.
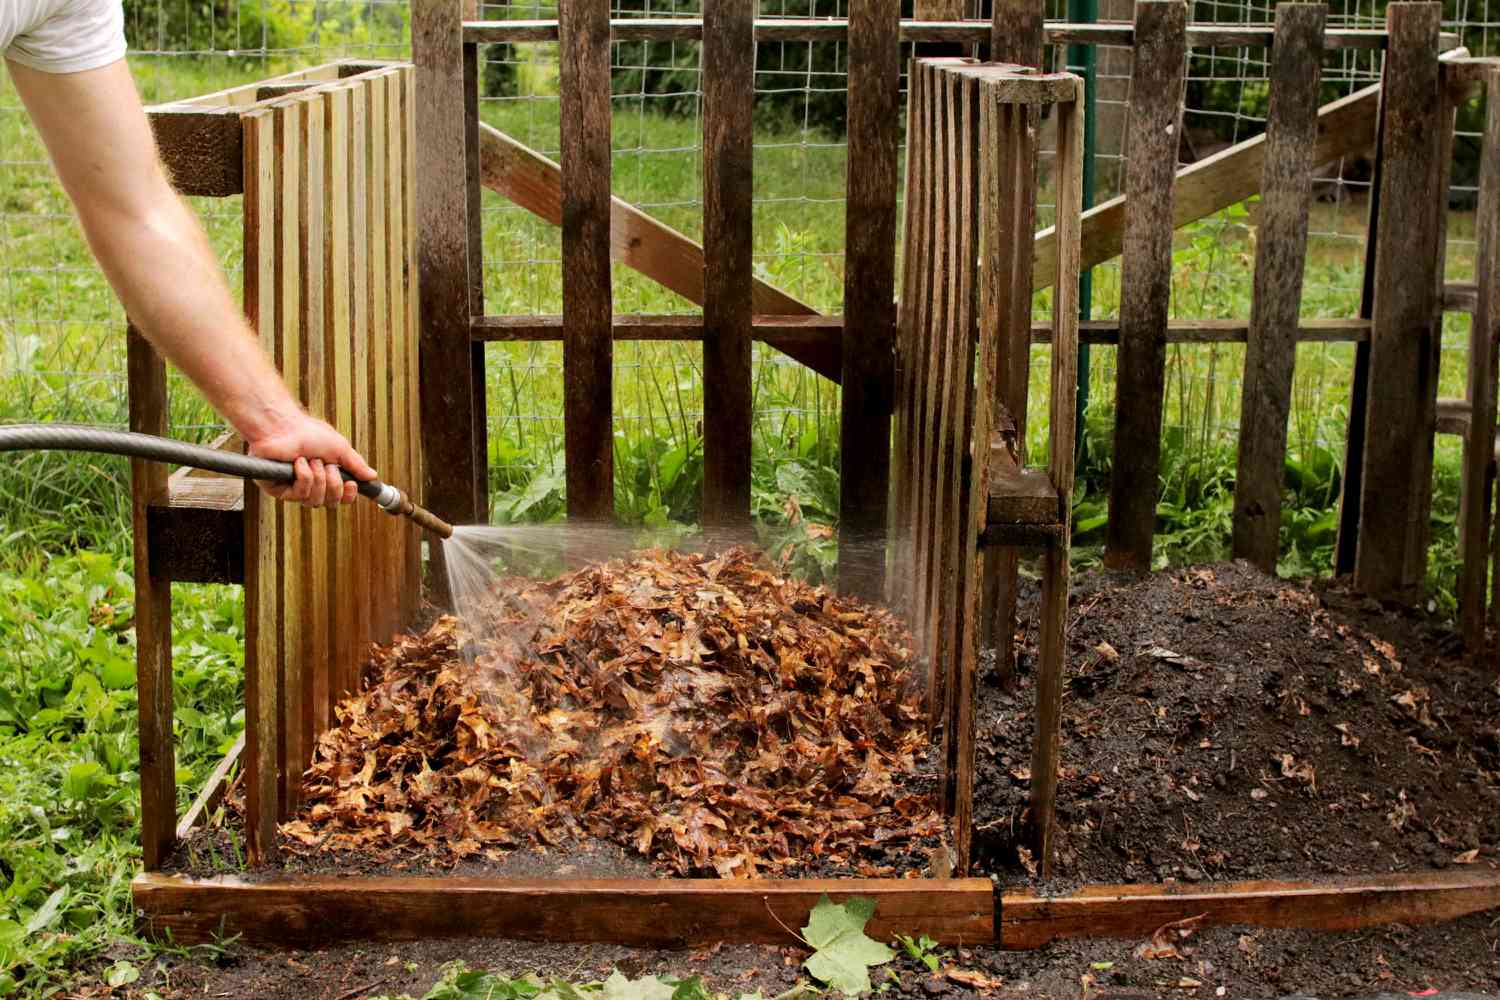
[1222, 724]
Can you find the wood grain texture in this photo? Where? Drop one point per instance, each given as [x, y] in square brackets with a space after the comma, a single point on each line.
[413, 327]
[363, 522]
[636, 240]
[201, 150]
[1136, 911]
[1276, 298]
[1475, 495]
[1052, 624]
[442, 261]
[671, 913]
[812, 329]
[956, 427]
[868, 379]
[378, 372]
[262, 582]
[147, 378]
[1016, 32]
[588, 377]
[897, 593]
[1145, 277]
[472, 192]
[728, 65]
[1391, 553]
[291, 518]
[338, 351]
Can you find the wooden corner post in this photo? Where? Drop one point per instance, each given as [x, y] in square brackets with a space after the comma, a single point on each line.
[1390, 557]
[728, 271]
[153, 610]
[1152, 132]
[1280, 256]
[1016, 37]
[868, 377]
[446, 361]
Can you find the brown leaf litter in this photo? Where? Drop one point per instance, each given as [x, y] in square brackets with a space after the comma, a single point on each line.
[702, 709]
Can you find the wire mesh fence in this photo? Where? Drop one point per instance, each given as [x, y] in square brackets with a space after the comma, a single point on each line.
[62, 350]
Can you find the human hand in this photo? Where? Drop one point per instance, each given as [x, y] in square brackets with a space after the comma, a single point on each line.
[317, 452]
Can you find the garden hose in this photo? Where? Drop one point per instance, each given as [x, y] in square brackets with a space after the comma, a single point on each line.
[68, 437]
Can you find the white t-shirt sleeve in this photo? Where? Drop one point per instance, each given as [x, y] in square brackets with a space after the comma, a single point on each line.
[73, 36]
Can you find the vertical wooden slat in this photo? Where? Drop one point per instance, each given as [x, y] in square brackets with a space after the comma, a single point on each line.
[588, 378]
[293, 518]
[262, 585]
[1484, 356]
[442, 260]
[344, 571]
[318, 575]
[921, 362]
[998, 243]
[1015, 37]
[475, 229]
[395, 203]
[1145, 277]
[1391, 552]
[414, 392]
[1053, 624]
[147, 378]
[728, 187]
[869, 293]
[1276, 299]
[928, 532]
[365, 516]
[958, 431]
[898, 584]
[380, 346]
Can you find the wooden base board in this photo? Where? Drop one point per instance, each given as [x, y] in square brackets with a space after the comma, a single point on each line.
[311, 911]
[1136, 911]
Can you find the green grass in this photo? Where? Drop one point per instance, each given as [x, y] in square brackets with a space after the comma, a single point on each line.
[68, 796]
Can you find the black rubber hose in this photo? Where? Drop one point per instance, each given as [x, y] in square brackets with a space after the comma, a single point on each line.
[73, 437]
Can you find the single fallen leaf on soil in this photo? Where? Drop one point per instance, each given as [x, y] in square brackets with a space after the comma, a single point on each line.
[843, 952]
[1024, 856]
[1258, 793]
[1107, 651]
[1346, 734]
[1163, 943]
[1467, 857]
[973, 979]
[1188, 983]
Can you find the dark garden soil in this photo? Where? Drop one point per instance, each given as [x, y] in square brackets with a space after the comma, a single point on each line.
[1222, 724]
[1222, 962]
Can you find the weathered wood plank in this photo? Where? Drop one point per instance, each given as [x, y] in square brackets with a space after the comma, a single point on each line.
[291, 518]
[472, 191]
[1136, 911]
[1484, 359]
[636, 240]
[364, 515]
[868, 374]
[377, 219]
[262, 583]
[1052, 639]
[728, 188]
[319, 575]
[588, 379]
[339, 376]
[672, 913]
[827, 330]
[1391, 553]
[413, 329]
[1276, 299]
[1145, 277]
[955, 438]
[1016, 31]
[442, 262]
[147, 378]
[897, 591]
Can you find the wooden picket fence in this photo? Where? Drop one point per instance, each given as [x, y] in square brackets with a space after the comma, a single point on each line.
[325, 162]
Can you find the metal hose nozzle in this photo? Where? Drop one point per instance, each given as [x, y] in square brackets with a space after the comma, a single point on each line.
[73, 437]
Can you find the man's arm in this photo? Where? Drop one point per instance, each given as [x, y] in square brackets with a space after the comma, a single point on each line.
[156, 256]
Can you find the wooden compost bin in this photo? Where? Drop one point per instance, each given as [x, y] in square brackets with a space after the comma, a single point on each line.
[898, 370]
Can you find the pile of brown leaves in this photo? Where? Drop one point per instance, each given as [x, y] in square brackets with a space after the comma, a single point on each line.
[702, 709]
